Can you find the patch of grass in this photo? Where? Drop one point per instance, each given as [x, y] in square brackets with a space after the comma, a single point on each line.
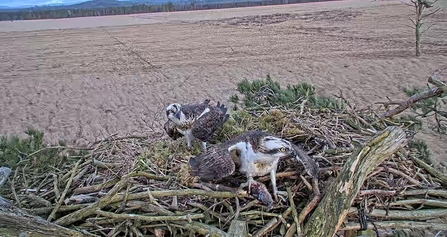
[166, 157]
[30, 150]
[421, 149]
[32, 157]
[234, 98]
[260, 94]
[273, 121]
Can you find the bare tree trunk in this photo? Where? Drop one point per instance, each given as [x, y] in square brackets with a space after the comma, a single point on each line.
[418, 25]
[418, 40]
[333, 208]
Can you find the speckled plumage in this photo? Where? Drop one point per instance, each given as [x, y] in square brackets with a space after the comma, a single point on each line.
[254, 153]
[218, 163]
[195, 121]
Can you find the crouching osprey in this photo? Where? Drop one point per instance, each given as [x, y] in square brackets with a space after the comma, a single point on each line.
[254, 153]
[195, 121]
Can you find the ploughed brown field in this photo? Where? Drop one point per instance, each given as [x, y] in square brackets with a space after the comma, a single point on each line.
[84, 79]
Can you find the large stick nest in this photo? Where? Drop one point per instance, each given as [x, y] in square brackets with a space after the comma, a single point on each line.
[135, 186]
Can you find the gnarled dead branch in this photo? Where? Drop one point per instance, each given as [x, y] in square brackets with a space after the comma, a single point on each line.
[333, 208]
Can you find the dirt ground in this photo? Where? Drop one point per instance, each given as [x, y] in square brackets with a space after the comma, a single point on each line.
[86, 78]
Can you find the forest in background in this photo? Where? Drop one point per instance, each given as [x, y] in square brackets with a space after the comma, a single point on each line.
[113, 7]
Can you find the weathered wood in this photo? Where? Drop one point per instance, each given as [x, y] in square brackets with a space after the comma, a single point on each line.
[425, 192]
[398, 225]
[238, 228]
[15, 222]
[4, 174]
[333, 208]
[424, 214]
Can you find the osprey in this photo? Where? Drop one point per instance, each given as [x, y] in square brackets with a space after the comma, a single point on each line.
[195, 121]
[254, 153]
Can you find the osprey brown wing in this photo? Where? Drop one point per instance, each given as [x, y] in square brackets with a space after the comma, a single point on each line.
[194, 110]
[214, 164]
[205, 126]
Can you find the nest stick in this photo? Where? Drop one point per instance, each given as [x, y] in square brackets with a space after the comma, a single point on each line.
[67, 187]
[273, 223]
[238, 228]
[181, 192]
[46, 210]
[292, 231]
[203, 229]
[206, 209]
[313, 203]
[431, 170]
[400, 173]
[13, 189]
[398, 225]
[432, 192]
[333, 208]
[36, 199]
[378, 192]
[422, 214]
[136, 231]
[148, 218]
[294, 212]
[87, 211]
[150, 176]
[56, 188]
[95, 188]
[425, 202]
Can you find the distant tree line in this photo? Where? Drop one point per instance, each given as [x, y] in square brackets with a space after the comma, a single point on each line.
[134, 9]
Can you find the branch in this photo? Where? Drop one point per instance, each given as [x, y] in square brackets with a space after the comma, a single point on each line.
[425, 202]
[408, 4]
[398, 225]
[442, 177]
[82, 213]
[18, 223]
[409, 215]
[432, 192]
[434, 92]
[333, 208]
[112, 197]
[203, 229]
[433, 79]
[431, 13]
[67, 187]
[4, 174]
[148, 218]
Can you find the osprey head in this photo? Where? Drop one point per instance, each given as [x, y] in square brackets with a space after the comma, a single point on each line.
[173, 111]
[277, 147]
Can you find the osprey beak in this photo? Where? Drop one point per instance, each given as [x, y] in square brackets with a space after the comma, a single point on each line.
[177, 115]
[167, 113]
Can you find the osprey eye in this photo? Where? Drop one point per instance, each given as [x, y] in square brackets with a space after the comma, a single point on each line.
[282, 149]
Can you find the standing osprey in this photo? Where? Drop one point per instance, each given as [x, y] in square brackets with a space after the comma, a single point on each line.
[195, 121]
[254, 153]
